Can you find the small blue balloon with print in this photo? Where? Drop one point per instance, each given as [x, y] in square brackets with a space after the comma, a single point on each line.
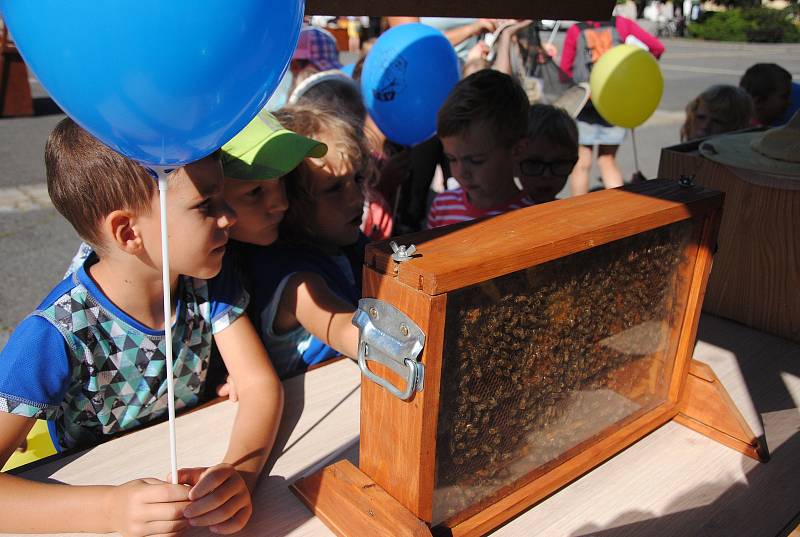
[406, 77]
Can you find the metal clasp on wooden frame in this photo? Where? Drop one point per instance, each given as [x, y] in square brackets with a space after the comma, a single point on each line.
[389, 337]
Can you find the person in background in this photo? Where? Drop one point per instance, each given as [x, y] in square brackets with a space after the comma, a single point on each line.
[354, 34]
[549, 153]
[477, 58]
[770, 86]
[719, 109]
[481, 124]
[506, 43]
[584, 44]
[333, 90]
[316, 51]
[463, 33]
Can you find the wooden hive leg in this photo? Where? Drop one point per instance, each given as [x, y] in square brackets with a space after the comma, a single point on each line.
[352, 505]
[707, 408]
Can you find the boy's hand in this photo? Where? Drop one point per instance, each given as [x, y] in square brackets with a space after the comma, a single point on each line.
[219, 498]
[148, 507]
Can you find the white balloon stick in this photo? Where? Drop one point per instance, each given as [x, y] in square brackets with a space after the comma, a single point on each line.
[554, 32]
[162, 195]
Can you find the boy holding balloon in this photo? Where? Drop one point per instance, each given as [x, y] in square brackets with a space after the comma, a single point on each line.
[482, 125]
[91, 358]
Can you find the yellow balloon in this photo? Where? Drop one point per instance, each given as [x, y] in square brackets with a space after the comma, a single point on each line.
[626, 85]
[39, 446]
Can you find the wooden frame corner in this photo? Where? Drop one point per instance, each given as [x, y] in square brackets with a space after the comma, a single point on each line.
[350, 503]
[707, 408]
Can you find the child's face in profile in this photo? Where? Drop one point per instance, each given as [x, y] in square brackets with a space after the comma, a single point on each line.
[338, 198]
[705, 122]
[772, 107]
[198, 221]
[544, 168]
[259, 206]
[482, 165]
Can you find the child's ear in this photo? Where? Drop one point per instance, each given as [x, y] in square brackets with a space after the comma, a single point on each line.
[122, 231]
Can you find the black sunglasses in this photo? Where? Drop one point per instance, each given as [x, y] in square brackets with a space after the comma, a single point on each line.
[534, 168]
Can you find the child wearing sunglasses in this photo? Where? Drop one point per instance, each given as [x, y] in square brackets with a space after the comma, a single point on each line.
[548, 154]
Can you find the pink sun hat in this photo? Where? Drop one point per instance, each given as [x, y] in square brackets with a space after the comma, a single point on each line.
[317, 46]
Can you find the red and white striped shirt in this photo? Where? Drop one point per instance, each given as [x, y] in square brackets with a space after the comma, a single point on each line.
[452, 206]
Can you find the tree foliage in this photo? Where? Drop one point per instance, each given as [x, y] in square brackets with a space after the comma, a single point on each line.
[754, 24]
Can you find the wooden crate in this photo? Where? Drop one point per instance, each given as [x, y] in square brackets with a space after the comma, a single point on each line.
[756, 271]
[555, 336]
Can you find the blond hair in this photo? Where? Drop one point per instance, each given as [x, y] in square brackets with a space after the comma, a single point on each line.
[314, 121]
[729, 104]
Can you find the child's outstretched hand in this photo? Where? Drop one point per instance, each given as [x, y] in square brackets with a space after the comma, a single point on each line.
[219, 498]
[148, 507]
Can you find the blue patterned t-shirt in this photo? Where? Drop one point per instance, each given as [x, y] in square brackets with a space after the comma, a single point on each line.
[93, 371]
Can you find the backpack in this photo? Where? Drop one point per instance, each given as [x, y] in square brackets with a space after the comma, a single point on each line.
[593, 42]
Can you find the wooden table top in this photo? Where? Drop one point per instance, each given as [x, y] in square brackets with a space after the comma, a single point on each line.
[674, 482]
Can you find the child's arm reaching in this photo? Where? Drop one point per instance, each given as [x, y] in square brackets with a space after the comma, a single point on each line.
[139, 507]
[221, 495]
[307, 300]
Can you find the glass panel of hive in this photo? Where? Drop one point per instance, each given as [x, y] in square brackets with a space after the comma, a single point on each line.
[540, 362]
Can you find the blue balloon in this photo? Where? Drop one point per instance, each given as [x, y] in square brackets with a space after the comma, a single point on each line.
[162, 82]
[348, 69]
[407, 75]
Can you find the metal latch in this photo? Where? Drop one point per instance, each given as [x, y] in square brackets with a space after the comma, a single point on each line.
[389, 337]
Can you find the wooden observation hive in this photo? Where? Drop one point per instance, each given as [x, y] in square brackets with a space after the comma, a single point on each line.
[505, 357]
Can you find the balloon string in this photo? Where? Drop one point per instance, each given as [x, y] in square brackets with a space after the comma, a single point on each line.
[166, 283]
[635, 153]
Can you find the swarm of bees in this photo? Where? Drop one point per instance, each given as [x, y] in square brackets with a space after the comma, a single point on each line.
[537, 361]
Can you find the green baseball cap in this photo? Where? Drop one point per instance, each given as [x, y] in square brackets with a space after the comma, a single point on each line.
[265, 150]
